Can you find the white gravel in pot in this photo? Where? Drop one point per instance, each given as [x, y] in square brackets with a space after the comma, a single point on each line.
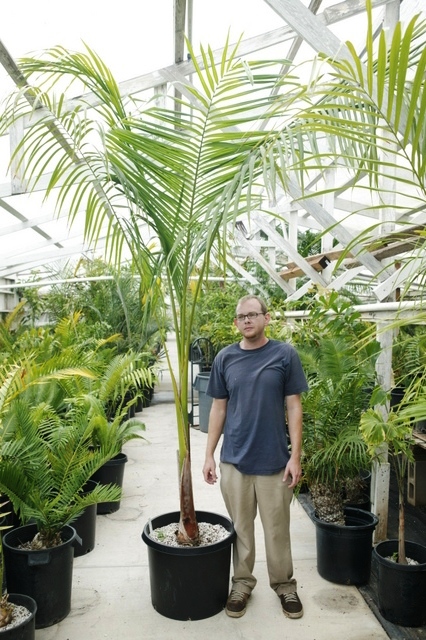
[209, 534]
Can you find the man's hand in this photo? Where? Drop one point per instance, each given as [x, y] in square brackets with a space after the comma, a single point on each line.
[209, 470]
[293, 472]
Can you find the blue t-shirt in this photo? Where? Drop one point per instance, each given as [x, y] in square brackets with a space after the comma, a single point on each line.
[255, 382]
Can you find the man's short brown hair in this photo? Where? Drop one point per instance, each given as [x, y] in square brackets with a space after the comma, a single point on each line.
[263, 307]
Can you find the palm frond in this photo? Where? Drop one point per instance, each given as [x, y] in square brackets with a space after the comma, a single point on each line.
[47, 459]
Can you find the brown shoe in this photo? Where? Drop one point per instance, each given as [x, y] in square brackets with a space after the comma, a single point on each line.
[291, 605]
[236, 604]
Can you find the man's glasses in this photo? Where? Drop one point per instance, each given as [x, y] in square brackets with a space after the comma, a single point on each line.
[250, 316]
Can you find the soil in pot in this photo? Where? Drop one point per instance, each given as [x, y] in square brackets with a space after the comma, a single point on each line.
[189, 583]
[22, 626]
[363, 502]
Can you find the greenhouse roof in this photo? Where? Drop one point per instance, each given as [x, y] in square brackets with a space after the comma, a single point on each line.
[145, 49]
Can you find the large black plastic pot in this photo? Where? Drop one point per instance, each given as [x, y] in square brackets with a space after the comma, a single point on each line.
[85, 525]
[344, 551]
[189, 583]
[401, 588]
[45, 574]
[25, 630]
[112, 472]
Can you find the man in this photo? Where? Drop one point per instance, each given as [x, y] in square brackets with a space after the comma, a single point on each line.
[254, 384]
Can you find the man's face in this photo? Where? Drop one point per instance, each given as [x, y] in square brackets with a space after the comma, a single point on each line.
[250, 326]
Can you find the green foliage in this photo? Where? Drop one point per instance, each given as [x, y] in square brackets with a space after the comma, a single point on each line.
[108, 300]
[409, 353]
[391, 434]
[46, 460]
[332, 314]
[215, 312]
[370, 108]
[339, 362]
[308, 243]
[62, 415]
[61, 361]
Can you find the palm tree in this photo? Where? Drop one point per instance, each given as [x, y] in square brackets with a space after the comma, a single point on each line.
[368, 115]
[341, 377]
[395, 430]
[367, 118]
[166, 181]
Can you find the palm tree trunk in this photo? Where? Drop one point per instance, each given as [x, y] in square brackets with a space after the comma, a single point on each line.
[401, 528]
[188, 527]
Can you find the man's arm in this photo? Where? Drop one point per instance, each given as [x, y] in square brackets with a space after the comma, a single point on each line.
[293, 469]
[216, 422]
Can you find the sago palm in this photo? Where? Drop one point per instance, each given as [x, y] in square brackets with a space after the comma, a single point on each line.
[55, 431]
[46, 460]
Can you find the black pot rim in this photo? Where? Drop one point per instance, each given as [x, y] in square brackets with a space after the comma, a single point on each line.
[68, 530]
[410, 549]
[368, 520]
[88, 487]
[120, 458]
[26, 601]
[190, 551]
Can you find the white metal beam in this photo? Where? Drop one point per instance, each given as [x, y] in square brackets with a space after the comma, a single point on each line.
[327, 221]
[288, 248]
[257, 256]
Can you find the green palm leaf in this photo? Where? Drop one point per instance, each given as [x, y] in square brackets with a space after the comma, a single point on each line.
[162, 181]
[367, 106]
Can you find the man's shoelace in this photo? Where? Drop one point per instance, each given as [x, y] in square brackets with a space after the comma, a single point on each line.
[237, 596]
[290, 597]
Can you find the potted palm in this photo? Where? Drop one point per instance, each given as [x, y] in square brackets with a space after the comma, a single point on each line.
[183, 171]
[340, 375]
[340, 113]
[401, 563]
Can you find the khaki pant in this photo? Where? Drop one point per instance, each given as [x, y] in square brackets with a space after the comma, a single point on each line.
[243, 494]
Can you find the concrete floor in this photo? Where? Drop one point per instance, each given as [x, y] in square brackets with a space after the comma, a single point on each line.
[111, 592]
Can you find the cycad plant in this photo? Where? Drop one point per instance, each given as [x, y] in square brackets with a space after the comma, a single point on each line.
[164, 180]
[55, 426]
[46, 459]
